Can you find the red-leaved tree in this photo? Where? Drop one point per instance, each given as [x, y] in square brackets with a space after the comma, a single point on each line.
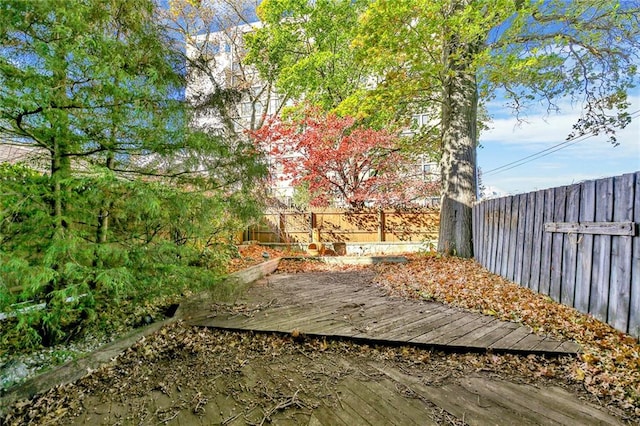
[342, 162]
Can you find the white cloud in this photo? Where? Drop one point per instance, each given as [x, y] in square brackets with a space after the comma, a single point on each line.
[541, 130]
[589, 158]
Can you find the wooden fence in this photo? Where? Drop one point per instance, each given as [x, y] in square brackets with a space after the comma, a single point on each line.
[579, 244]
[341, 225]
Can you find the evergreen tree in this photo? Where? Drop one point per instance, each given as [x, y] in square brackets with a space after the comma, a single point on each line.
[133, 201]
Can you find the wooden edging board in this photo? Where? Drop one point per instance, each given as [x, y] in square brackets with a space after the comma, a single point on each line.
[78, 368]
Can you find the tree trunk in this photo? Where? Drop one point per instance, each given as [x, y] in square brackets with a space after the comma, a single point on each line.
[105, 210]
[60, 170]
[458, 164]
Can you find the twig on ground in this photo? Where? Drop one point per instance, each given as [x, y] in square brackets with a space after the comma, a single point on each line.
[168, 419]
[291, 401]
[230, 419]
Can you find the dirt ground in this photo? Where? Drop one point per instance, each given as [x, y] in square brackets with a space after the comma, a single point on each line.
[185, 375]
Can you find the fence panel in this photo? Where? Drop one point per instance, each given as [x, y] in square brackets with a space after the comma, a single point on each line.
[585, 247]
[520, 244]
[555, 281]
[527, 254]
[476, 229]
[620, 284]
[579, 244]
[506, 227]
[599, 304]
[494, 215]
[513, 237]
[536, 243]
[342, 225]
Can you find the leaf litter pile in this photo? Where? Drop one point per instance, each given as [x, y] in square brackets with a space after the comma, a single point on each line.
[203, 376]
[609, 366]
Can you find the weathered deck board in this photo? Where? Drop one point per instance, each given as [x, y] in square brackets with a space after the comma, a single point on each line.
[347, 305]
[482, 401]
[471, 326]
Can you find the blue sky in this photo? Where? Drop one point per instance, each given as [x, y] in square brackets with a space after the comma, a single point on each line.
[590, 158]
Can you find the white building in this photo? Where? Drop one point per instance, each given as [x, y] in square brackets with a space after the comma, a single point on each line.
[216, 64]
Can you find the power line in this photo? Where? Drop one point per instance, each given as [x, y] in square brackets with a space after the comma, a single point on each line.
[537, 155]
[539, 152]
[546, 151]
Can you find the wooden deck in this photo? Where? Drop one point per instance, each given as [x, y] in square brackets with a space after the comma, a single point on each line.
[339, 390]
[346, 305]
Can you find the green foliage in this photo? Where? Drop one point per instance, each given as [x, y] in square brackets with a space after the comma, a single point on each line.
[444, 59]
[305, 48]
[20, 215]
[163, 242]
[531, 51]
[302, 195]
[136, 209]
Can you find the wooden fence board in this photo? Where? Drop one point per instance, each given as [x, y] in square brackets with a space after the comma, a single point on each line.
[474, 234]
[634, 300]
[536, 248]
[545, 255]
[477, 231]
[520, 241]
[482, 229]
[528, 240]
[500, 239]
[506, 237]
[621, 249]
[580, 244]
[343, 225]
[555, 283]
[495, 224]
[513, 237]
[570, 248]
[585, 247]
[626, 228]
[599, 303]
[487, 234]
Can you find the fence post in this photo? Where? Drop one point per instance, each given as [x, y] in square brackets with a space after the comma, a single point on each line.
[381, 226]
[312, 225]
[282, 235]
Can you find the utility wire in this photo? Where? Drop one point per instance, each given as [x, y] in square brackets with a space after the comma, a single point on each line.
[537, 155]
[582, 137]
[546, 151]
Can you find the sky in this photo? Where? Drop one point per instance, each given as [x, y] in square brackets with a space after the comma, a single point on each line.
[595, 157]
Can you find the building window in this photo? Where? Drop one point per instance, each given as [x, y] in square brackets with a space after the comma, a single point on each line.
[245, 109]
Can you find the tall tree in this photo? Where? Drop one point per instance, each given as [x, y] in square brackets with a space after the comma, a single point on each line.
[94, 86]
[83, 82]
[444, 58]
[447, 56]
